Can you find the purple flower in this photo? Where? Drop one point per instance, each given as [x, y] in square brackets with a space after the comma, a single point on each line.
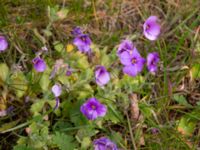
[56, 89]
[39, 64]
[125, 46]
[10, 109]
[152, 60]
[151, 28]
[3, 44]
[83, 43]
[76, 31]
[68, 73]
[133, 62]
[155, 130]
[93, 109]
[102, 76]
[57, 103]
[104, 143]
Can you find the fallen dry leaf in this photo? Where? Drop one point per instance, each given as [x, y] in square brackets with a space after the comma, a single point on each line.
[134, 107]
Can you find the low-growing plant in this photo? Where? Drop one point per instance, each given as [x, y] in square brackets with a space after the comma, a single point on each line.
[77, 94]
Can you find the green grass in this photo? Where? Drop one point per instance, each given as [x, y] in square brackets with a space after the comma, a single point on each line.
[23, 23]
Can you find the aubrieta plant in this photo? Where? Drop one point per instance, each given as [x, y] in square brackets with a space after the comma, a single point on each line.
[81, 84]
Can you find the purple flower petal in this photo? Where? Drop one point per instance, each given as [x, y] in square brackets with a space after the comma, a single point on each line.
[151, 28]
[155, 130]
[125, 58]
[77, 31]
[130, 70]
[39, 64]
[3, 44]
[104, 143]
[140, 64]
[68, 73]
[101, 111]
[93, 109]
[57, 103]
[83, 43]
[133, 62]
[56, 89]
[152, 60]
[101, 75]
[125, 46]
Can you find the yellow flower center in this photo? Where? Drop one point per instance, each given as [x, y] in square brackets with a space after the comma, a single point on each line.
[69, 47]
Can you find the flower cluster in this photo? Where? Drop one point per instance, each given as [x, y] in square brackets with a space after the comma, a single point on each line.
[132, 60]
[129, 56]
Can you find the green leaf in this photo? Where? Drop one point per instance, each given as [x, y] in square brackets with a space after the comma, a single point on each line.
[37, 107]
[58, 46]
[47, 32]
[131, 83]
[81, 60]
[63, 79]
[52, 13]
[55, 14]
[86, 74]
[86, 132]
[44, 81]
[19, 83]
[113, 114]
[145, 109]
[62, 14]
[86, 142]
[63, 141]
[195, 71]
[86, 92]
[4, 72]
[181, 99]
[75, 116]
[186, 126]
[105, 59]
